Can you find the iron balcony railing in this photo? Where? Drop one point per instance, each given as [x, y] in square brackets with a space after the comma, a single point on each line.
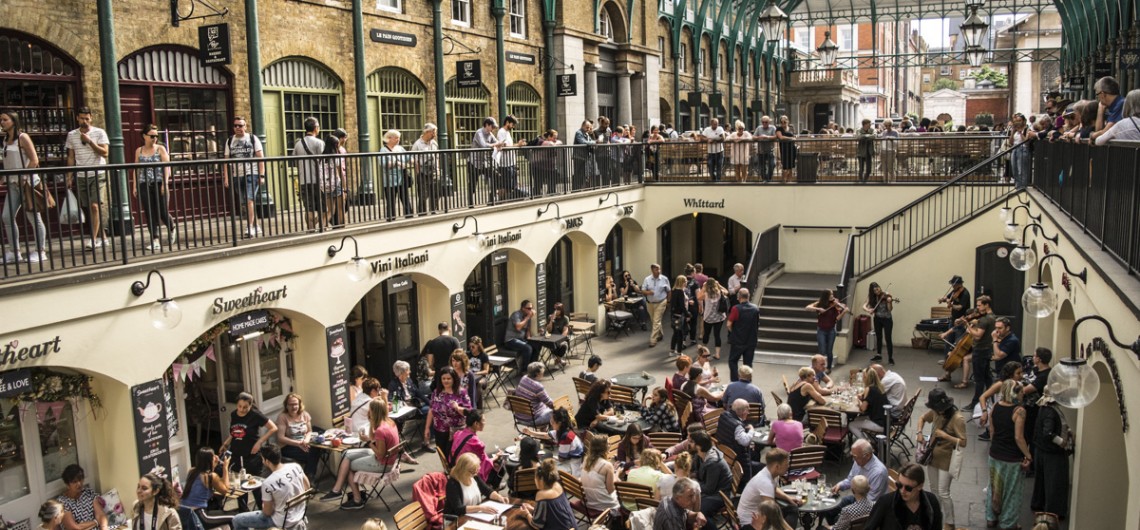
[765, 253]
[1098, 187]
[197, 207]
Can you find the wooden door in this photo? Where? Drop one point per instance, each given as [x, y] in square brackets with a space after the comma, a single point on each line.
[137, 112]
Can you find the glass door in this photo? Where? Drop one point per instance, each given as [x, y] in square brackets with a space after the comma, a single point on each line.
[35, 446]
[251, 366]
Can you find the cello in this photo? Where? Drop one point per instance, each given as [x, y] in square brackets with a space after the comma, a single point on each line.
[961, 349]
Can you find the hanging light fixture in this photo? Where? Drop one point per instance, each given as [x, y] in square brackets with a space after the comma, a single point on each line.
[974, 30]
[164, 313]
[357, 267]
[1039, 299]
[1010, 232]
[1072, 382]
[617, 209]
[1012, 215]
[1023, 257]
[475, 240]
[975, 55]
[772, 20]
[556, 224]
[827, 51]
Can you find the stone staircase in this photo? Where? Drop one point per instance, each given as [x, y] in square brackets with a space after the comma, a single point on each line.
[787, 331]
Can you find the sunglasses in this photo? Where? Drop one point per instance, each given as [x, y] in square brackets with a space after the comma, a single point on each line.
[907, 487]
[236, 125]
[152, 136]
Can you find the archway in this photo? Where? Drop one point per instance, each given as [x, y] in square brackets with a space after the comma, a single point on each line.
[396, 100]
[392, 320]
[524, 103]
[1098, 484]
[1044, 334]
[43, 82]
[713, 240]
[296, 88]
[490, 292]
[1064, 330]
[466, 109]
[612, 23]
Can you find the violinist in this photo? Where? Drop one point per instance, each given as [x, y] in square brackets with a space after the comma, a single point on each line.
[982, 330]
[879, 305]
[958, 299]
[959, 344]
[828, 311]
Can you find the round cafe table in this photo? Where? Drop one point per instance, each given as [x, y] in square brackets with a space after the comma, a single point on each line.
[620, 424]
[813, 510]
[638, 382]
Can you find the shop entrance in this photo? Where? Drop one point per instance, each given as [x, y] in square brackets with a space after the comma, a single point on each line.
[486, 294]
[713, 240]
[382, 327]
[560, 275]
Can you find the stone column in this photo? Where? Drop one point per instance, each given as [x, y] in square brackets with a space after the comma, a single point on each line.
[591, 87]
[625, 99]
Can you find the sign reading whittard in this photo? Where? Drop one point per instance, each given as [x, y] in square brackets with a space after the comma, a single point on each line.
[703, 203]
[394, 263]
[257, 297]
[14, 354]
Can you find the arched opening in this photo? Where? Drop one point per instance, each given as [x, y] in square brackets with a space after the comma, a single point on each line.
[524, 103]
[1044, 335]
[686, 117]
[612, 23]
[1098, 484]
[296, 88]
[396, 100]
[666, 111]
[994, 277]
[43, 83]
[713, 240]
[391, 322]
[559, 278]
[466, 109]
[1064, 330]
[488, 292]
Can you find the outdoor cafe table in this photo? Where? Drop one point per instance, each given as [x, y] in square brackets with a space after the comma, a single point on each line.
[586, 329]
[549, 343]
[814, 509]
[620, 424]
[639, 382]
[760, 436]
[515, 520]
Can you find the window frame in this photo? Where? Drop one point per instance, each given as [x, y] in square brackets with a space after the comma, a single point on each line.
[519, 16]
[684, 58]
[466, 12]
[398, 8]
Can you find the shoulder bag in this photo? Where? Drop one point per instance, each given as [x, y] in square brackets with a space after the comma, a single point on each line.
[37, 198]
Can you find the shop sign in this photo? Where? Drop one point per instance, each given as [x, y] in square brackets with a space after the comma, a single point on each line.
[393, 263]
[15, 383]
[627, 211]
[1102, 70]
[1077, 82]
[469, 74]
[703, 203]
[399, 284]
[521, 58]
[152, 432]
[573, 222]
[14, 354]
[257, 297]
[540, 293]
[499, 258]
[502, 239]
[567, 85]
[458, 318]
[214, 44]
[251, 322]
[781, 109]
[385, 36]
[601, 274]
[338, 370]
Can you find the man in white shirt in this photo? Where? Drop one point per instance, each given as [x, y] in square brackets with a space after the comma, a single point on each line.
[656, 290]
[309, 173]
[893, 385]
[714, 134]
[506, 159]
[284, 482]
[247, 177]
[88, 146]
[763, 487]
[735, 282]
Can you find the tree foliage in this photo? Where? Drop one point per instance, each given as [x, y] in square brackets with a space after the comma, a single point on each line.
[986, 73]
[944, 82]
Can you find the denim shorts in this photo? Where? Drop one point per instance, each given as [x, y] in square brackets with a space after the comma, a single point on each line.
[252, 183]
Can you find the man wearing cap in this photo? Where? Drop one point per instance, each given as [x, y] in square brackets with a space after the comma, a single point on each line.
[958, 299]
[948, 430]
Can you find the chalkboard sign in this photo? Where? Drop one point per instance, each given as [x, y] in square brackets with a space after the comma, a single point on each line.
[540, 293]
[601, 274]
[152, 434]
[338, 369]
[459, 318]
[171, 407]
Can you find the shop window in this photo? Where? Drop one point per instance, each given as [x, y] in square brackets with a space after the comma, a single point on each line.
[40, 84]
[518, 18]
[192, 121]
[605, 27]
[399, 99]
[14, 471]
[37, 441]
[297, 89]
[466, 108]
[523, 102]
[389, 5]
[461, 12]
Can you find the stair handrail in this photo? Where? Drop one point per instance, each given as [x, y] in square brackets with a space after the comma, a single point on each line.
[766, 239]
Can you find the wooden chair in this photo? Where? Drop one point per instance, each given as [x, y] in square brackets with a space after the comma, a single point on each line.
[411, 517]
[603, 519]
[737, 477]
[577, 496]
[683, 403]
[897, 434]
[582, 387]
[787, 388]
[859, 523]
[732, 520]
[710, 421]
[629, 493]
[299, 502]
[623, 397]
[443, 460]
[523, 484]
[523, 413]
[643, 503]
[892, 480]
[613, 442]
[563, 402]
[728, 452]
[802, 458]
[827, 426]
[664, 440]
[776, 399]
[756, 415]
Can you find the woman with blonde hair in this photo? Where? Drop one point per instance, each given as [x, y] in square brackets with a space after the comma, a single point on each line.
[871, 404]
[649, 473]
[293, 434]
[804, 392]
[51, 515]
[466, 490]
[738, 151]
[598, 475]
[682, 468]
[713, 311]
[373, 459]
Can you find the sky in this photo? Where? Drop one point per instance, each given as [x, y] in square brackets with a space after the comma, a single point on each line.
[936, 31]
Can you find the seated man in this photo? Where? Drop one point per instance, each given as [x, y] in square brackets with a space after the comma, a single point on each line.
[284, 482]
[713, 475]
[405, 392]
[732, 432]
[822, 380]
[894, 385]
[763, 487]
[870, 468]
[681, 511]
[518, 331]
[744, 389]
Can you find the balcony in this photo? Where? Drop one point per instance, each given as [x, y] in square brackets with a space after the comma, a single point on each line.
[830, 78]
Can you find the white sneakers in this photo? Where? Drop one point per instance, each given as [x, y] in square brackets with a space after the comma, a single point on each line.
[33, 257]
[155, 245]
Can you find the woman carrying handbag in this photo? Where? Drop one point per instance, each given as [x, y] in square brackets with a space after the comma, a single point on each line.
[26, 191]
[947, 437]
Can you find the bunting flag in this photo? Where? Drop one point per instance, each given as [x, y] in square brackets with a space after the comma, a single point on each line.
[41, 411]
[57, 408]
[210, 353]
[177, 369]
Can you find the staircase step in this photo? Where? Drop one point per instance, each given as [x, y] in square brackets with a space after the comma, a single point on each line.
[803, 322]
[787, 334]
[792, 290]
[785, 301]
[783, 312]
[784, 358]
[788, 345]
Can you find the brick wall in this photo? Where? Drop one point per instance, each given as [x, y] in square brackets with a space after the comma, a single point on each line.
[993, 102]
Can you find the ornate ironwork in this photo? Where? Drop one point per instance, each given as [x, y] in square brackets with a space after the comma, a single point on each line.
[802, 14]
[933, 59]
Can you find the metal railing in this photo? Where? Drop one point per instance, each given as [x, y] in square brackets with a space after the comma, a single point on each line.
[151, 209]
[765, 253]
[1098, 187]
[916, 158]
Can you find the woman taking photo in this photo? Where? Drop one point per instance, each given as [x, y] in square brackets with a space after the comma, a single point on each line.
[204, 483]
[660, 413]
[879, 305]
[20, 153]
[333, 174]
[467, 441]
[552, 509]
[804, 392]
[828, 312]
[1009, 455]
[151, 186]
[448, 410]
[293, 436]
[948, 433]
[156, 507]
[466, 490]
[713, 301]
[679, 311]
[570, 448]
[598, 476]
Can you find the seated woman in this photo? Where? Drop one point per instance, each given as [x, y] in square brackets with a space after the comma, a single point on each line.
[559, 324]
[871, 404]
[467, 441]
[804, 392]
[684, 362]
[702, 399]
[156, 504]
[660, 413]
[480, 362]
[598, 476]
[466, 491]
[531, 389]
[570, 448]
[81, 505]
[468, 381]
[787, 433]
[631, 446]
[552, 509]
[651, 472]
[372, 459]
[293, 434]
[51, 516]
[682, 468]
[591, 372]
[709, 374]
[595, 406]
[528, 458]
[204, 483]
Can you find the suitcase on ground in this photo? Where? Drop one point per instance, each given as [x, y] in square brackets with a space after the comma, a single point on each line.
[862, 327]
[933, 324]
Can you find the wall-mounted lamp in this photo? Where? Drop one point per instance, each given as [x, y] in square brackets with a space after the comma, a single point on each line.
[618, 210]
[165, 313]
[556, 225]
[1012, 228]
[357, 267]
[1039, 299]
[475, 240]
[1072, 382]
[1022, 257]
[1003, 212]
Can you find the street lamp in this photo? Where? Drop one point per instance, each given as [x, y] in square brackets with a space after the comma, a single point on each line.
[1022, 257]
[827, 51]
[974, 30]
[1039, 299]
[356, 268]
[772, 20]
[975, 55]
[1072, 382]
[164, 313]
[475, 240]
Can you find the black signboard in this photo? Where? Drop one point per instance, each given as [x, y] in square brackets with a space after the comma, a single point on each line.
[214, 44]
[171, 407]
[567, 85]
[15, 382]
[757, 106]
[251, 322]
[695, 101]
[601, 274]
[392, 37]
[781, 109]
[715, 101]
[399, 284]
[499, 257]
[1077, 82]
[1102, 70]
[468, 74]
[540, 292]
[521, 58]
[459, 318]
[338, 369]
[152, 434]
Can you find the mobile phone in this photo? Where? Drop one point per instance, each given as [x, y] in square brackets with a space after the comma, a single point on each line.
[227, 454]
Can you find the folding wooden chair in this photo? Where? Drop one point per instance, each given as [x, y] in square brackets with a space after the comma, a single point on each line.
[683, 402]
[737, 478]
[643, 503]
[787, 389]
[613, 441]
[411, 517]
[523, 413]
[622, 397]
[828, 426]
[664, 440]
[731, 519]
[629, 493]
[376, 483]
[603, 519]
[443, 460]
[299, 502]
[776, 399]
[859, 523]
[582, 387]
[563, 402]
[756, 415]
[577, 495]
[523, 484]
[728, 452]
[803, 462]
[710, 421]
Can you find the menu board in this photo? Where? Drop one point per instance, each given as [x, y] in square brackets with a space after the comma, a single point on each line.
[152, 434]
[338, 370]
[540, 294]
[171, 407]
[601, 274]
[459, 319]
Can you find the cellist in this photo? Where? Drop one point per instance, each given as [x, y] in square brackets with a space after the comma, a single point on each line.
[958, 348]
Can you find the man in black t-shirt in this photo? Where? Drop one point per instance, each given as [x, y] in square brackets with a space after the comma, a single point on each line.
[982, 329]
[440, 348]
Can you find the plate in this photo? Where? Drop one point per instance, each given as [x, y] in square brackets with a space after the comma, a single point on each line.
[248, 485]
[511, 449]
[351, 440]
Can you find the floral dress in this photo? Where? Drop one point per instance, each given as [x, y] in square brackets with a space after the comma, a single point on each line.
[444, 416]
